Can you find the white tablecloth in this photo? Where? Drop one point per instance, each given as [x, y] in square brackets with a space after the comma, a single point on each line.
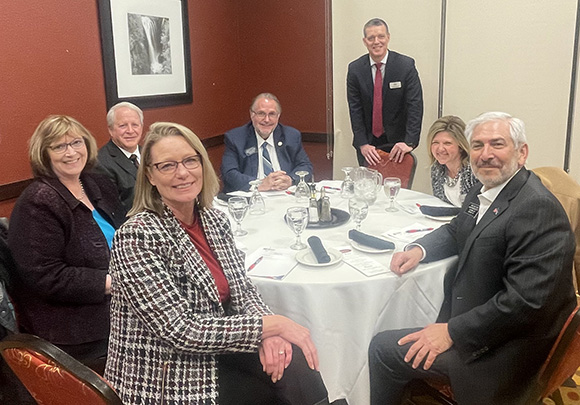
[342, 307]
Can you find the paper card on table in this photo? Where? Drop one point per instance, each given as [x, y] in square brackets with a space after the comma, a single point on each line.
[408, 207]
[367, 266]
[270, 263]
[409, 233]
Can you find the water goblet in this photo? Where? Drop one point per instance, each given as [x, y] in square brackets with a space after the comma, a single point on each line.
[392, 187]
[359, 209]
[347, 187]
[297, 219]
[238, 207]
[257, 204]
[302, 191]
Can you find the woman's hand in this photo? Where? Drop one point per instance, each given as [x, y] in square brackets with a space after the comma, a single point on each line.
[108, 281]
[278, 325]
[275, 356]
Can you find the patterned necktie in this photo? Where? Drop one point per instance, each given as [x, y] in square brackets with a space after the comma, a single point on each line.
[133, 158]
[378, 102]
[266, 162]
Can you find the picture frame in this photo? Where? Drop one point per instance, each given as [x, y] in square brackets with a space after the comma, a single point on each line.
[146, 52]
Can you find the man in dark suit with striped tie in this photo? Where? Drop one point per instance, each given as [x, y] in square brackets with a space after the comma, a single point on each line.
[119, 158]
[263, 149]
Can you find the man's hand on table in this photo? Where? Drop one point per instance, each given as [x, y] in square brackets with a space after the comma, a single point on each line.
[275, 355]
[430, 342]
[402, 262]
[276, 181]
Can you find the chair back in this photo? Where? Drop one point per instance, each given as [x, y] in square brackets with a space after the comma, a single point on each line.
[563, 360]
[404, 170]
[52, 376]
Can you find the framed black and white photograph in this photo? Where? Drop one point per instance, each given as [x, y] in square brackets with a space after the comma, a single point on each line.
[146, 53]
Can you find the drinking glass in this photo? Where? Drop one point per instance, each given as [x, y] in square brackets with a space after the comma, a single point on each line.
[359, 209]
[302, 191]
[392, 187]
[257, 204]
[347, 187]
[238, 207]
[297, 219]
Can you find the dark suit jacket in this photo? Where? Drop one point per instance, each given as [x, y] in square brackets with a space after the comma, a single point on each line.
[62, 259]
[240, 159]
[402, 106]
[114, 164]
[511, 292]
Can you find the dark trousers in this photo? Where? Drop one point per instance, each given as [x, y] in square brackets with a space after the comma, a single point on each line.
[389, 373]
[242, 381]
[92, 354]
[381, 143]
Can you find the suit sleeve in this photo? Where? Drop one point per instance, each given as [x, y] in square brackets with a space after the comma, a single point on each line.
[232, 175]
[298, 159]
[355, 107]
[414, 106]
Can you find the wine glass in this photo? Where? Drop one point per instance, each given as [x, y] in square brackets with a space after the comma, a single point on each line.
[302, 191]
[392, 187]
[359, 209]
[297, 219]
[238, 207]
[347, 187]
[257, 204]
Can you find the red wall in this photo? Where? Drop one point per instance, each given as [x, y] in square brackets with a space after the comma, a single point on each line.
[51, 64]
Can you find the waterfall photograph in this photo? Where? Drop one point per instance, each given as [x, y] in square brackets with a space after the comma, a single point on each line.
[149, 45]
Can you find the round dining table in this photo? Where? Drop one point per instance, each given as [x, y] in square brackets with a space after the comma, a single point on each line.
[343, 307]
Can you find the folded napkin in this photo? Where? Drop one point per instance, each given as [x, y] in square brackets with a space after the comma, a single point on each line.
[318, 249]
[439, 211]
[369, 240]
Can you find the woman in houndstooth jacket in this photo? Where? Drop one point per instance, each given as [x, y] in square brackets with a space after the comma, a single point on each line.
[187, 325]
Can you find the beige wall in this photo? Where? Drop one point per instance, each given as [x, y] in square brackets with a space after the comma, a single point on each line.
[513, 56]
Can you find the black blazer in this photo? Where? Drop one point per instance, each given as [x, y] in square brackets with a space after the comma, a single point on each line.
[512, 290]
[115, 165]
[402, 100]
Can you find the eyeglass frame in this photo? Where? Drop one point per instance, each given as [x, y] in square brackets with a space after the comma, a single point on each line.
[196, 158]
[262, 114]
[78, 141]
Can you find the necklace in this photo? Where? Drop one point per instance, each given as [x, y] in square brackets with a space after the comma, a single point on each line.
[83, 194]
[451, 182]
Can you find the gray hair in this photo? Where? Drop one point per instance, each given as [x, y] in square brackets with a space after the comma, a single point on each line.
[269, 96]
[126, 104]
[374, 22]
[517, 127]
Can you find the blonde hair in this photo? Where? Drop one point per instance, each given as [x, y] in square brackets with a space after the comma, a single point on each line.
[456, 128]
[147, 198]
[51, 129]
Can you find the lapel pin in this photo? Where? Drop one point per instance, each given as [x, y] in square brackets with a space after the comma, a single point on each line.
[279, 143]
[495, 211]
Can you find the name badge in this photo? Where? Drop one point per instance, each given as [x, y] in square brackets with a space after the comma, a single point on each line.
[395, 85]
[472, 209]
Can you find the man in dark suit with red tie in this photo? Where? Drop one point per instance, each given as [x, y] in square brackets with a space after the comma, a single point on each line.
[385, 98]
[510, 293]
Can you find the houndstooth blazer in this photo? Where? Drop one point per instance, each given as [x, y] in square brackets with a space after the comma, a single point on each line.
[167, 324]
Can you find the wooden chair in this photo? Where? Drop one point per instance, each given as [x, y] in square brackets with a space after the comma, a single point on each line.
[52, 376]
[562, 362]
[404, 170]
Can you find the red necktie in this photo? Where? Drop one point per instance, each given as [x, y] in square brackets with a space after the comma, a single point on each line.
[378, 102]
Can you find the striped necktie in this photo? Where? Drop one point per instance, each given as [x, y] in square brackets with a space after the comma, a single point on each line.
[133, 158]
[266, 162]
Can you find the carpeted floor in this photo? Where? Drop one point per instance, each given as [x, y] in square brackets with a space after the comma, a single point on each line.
[568, 394]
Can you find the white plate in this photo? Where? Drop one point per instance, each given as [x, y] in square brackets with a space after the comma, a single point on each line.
[368, 249]
[441, 219]
[307, 258]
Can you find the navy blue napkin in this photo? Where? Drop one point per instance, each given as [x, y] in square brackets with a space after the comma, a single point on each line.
[439, 211]
[318, 249]
[369, 240]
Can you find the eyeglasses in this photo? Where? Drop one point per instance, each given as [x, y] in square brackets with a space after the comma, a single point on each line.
[77, 144]
[170, 166]
[262, 114]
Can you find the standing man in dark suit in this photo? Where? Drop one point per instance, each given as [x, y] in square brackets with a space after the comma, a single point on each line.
[120, 157]
[263, 149]
[510, 293]
[390, 117]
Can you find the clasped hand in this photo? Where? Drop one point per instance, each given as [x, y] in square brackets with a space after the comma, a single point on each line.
[278, 180]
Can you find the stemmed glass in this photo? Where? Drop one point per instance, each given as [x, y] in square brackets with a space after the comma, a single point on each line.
[347, 187]
[359, 209]
[238, 207]
[302, 191]
[392, 187]
[297, 219]
[257, 204]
